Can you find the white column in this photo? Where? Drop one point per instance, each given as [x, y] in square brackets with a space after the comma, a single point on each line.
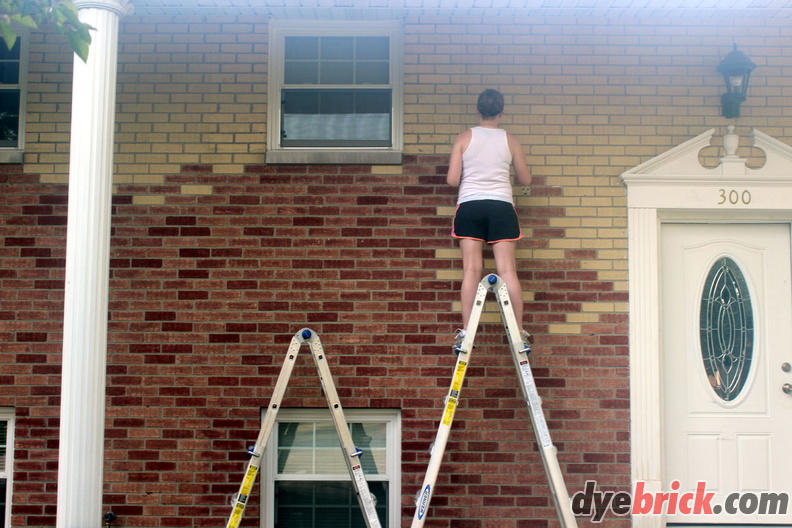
[81, 455]
[646, 439]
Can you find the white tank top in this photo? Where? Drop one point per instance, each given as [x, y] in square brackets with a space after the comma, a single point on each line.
[485, 167]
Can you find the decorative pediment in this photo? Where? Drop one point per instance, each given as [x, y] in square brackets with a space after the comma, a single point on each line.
[682, 159]
[682, 162]
[779, 155]
[676, 179]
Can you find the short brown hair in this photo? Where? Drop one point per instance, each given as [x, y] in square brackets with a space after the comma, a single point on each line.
[490, 103]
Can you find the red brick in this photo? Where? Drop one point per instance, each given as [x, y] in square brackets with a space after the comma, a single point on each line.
[208, 291]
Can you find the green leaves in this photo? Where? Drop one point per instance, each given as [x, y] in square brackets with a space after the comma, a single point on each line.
[33, 14]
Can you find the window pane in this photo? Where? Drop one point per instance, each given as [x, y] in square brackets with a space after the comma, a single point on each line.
[301, 102]
[9, 99]
[302, 60]
[295, 461]
[369, 434]
[301, 72]
[337, 73]
[368, 48]
[372, 73]
[337, 103]
[294, 517]
[334, 493]
[2, 502]
[305, 449]
[337, 60]
[3, 444]
[9, 72]
[331, 461]
[335, 48]
[370, 438]
[295, 434]
[336, 118]
[9, 118]
[326, 435]
[324, 504]
[9, 64]
[373, 102]
[295, 448]
[301, 48]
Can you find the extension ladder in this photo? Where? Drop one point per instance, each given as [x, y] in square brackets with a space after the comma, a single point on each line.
[520, 351]
[351, 453]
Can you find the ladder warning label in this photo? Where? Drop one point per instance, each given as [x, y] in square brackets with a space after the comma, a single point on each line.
[459, 375]
[448, 415]
[247, 484]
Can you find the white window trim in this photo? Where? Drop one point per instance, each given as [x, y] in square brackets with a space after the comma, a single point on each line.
[392, 419]
[279, 30]
[15, 154]
[7, 414]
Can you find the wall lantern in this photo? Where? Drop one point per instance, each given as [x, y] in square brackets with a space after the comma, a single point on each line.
[736, 69]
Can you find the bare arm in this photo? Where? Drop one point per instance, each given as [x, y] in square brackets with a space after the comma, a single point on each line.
[521, 170]
[461, 144]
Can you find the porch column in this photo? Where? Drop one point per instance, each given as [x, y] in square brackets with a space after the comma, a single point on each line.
[646, 435]
[81, 454]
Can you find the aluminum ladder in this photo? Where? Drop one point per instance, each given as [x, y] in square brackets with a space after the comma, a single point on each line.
[351, 453]
[520, 351]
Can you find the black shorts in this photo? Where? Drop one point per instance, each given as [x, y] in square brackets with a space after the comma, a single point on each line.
[487, 220]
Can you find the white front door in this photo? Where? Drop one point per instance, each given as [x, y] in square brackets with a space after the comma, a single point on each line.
[726, 345]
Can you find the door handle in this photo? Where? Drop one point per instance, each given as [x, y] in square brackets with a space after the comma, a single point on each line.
[787, 388]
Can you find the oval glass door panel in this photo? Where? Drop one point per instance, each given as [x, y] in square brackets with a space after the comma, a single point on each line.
[726, 329]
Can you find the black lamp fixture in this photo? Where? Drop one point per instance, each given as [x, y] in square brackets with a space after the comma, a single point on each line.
[736, 69]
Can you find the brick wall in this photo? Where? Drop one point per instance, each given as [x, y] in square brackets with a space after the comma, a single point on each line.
[217, 259]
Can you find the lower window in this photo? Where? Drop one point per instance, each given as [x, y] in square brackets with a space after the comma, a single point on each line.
[306, 482]
[6, 464]
[328, 503]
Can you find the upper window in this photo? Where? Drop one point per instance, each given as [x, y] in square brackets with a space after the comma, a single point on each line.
[307, 483]
[6, 464]
[12, 99]
[335, 90]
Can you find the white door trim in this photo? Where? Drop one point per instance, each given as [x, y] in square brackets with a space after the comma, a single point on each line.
[675, 187]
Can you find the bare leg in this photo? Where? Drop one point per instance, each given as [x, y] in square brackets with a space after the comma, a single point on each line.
[506, 264]
[472, 268]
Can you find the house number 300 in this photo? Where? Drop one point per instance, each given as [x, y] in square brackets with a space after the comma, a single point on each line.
[734, 197]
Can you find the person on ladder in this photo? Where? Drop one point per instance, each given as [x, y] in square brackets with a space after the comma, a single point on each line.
[479, 165]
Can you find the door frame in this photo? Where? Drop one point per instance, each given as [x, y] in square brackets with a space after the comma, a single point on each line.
[675, 188]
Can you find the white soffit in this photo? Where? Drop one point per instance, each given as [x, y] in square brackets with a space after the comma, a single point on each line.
[390, 9]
